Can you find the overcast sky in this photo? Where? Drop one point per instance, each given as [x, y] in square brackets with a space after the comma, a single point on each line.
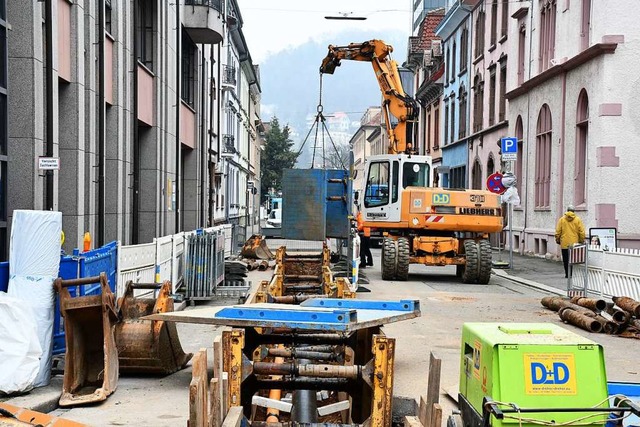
[273, 25]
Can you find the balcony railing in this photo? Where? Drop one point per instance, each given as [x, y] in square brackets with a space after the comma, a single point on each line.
[228, 145]
[214, 4]
[229, 75]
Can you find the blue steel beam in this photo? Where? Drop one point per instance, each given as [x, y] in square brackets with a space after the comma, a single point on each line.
[402, 305]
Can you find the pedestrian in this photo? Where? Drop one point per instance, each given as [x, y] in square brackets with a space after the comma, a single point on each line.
[569, 232]
[366, 259]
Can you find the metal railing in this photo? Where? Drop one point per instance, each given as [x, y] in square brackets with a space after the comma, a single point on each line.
[229, 75]
[214, 4]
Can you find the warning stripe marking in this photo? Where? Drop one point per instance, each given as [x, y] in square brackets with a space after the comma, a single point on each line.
[435, 218]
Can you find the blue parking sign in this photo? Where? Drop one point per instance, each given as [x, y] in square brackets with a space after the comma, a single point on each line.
[509, 148]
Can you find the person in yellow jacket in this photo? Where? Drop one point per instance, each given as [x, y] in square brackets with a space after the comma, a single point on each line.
[569, 231]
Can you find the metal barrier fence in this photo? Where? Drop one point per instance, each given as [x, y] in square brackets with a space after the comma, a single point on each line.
[204, 264]
[610, 273]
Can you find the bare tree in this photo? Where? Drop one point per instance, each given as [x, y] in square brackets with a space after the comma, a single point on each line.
[338, 157]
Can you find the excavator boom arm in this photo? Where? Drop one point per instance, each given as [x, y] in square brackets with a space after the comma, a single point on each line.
[396, 102]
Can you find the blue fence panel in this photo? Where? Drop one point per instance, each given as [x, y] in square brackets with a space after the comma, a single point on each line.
[4, 276]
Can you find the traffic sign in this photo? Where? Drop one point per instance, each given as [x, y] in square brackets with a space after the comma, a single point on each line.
[509, 148]
[494, 183]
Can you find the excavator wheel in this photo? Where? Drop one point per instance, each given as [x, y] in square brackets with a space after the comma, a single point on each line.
[470, 274]
[484, 268]
[459, 270]
[389, 258]
[402, 268]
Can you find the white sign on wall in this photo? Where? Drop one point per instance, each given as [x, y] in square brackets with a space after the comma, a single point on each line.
[49, 163]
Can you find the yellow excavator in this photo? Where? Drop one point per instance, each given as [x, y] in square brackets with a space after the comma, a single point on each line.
[421, 224]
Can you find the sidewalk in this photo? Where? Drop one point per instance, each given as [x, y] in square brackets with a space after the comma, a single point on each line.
[533, 271]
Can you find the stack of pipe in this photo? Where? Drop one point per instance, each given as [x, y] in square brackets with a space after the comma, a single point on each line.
[598, 315]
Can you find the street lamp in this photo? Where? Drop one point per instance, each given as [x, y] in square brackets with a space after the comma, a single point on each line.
[346, 16]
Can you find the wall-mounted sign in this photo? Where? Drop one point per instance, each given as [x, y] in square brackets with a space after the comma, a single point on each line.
[606, 238]
[48, 163]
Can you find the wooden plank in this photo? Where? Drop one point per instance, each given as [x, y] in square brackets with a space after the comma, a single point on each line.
[234, 417]
[198, 394]
[423, 412]
[215, 411]
[412, 421]
[436, 415]
[218, 373]
[433, 387]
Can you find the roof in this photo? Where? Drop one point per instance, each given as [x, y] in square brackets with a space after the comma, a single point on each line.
[427, 31]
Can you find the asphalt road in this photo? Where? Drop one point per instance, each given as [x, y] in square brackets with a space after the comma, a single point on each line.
[445, 304]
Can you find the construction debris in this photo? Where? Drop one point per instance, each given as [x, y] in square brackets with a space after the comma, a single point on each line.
[256, 248]
[619, 317]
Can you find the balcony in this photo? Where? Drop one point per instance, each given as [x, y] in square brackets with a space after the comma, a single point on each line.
[228, 146]
[203, 20]
[229, 76]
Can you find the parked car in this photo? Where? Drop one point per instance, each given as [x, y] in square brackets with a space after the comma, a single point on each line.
[273, 224]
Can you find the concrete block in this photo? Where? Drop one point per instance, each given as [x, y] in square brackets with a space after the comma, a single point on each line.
[22, 179]
[71, 187]
[22, 105]
[42, 399]
[150, 189]
[147, 226]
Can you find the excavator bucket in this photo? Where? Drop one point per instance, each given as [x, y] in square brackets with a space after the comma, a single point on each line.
[91, 359]
[256, 248]
[148, 346]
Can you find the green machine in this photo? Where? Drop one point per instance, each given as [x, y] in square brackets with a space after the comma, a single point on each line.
[530, 374]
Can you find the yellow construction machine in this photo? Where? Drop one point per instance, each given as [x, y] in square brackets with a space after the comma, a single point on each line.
[421, 224]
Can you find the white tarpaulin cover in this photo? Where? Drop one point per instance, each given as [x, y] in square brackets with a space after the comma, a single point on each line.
[34, 256]
[35, 243]
[20, 351]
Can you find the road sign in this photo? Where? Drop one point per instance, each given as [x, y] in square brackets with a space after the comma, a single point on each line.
[494, 183]
[509, 148]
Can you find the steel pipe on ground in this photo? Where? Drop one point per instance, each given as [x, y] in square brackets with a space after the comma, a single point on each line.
[591, 303]
[305, 402]
[628, 304]
[580, 320]
[558, 303]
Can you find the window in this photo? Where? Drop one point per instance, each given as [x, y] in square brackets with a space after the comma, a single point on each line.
[582, 133]
[503, 88]
[547, 33]
[189, 70]
[520, 155]
[479, 34]
[478, 99]
[476, 175]
[415, 175]
[491, 166]
[522, 38]
[464, 46]
[494, 22]
[436, 128]
[448, 65]
[452, 122]
[446, 123]
[543, 158]
[505, 18]
[429, 139]
[107, 16]
[585, 24]
[458, 177]
[492, 96]
[377, 191]
[144, 31]
[453, 62]
[462, 113]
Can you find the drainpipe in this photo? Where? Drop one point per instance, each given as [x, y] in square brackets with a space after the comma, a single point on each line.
[49, 83]
[525, 185]
[203, 133]
[560, 201]
[101, 127]
[178, 181]
[136, 142]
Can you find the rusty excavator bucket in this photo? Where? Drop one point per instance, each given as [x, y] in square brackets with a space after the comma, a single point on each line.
[256, 248]
[148, 346]
[91, 359]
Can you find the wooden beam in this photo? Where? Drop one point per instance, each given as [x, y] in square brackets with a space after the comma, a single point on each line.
[234, 417]
[436, 415]
[198, 393]
[423, 412]
[411, 421]
[433, 388]
[215, 409]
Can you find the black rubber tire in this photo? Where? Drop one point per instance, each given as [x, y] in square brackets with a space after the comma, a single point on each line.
[404, 252]
[484, 267]
[470, 274]
[389, 258]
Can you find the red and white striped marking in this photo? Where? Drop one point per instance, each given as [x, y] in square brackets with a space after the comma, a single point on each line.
[577, 254]
[434, 218]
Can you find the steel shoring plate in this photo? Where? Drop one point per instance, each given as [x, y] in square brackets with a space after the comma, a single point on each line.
[320, 314]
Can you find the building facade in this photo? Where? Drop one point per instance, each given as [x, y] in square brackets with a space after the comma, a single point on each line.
[572, 108]
[420, 9]
[488, 77]
[370, 130]
[127, 96]
[454, 30]
[426, 60]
